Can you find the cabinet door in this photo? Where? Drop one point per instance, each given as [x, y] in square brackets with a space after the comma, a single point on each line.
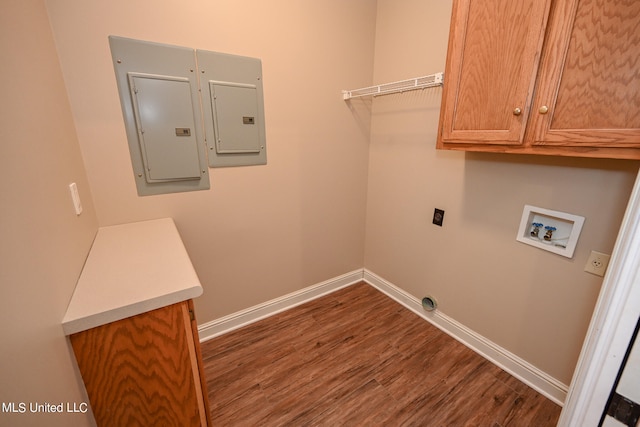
[589, 83]
[494, 50]
[143, 370]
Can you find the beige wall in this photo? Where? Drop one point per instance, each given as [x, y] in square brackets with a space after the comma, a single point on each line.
[531, 302]
[43, 244]
[263, 231]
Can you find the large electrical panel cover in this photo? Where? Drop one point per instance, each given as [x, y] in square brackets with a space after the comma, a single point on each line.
[158, 88]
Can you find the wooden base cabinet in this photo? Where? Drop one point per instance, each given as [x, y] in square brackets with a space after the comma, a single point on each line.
[145, 370]
[559, 77]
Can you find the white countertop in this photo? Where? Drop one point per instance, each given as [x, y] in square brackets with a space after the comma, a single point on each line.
[131, 269]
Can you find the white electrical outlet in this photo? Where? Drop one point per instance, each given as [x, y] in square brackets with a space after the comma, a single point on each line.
[597, 263]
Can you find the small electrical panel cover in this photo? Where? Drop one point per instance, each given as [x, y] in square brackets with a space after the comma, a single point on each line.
[233, 109]
[158, 88]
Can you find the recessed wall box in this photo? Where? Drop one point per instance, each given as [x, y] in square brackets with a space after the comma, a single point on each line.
[233, 109]
[550, 230]
[160, 103]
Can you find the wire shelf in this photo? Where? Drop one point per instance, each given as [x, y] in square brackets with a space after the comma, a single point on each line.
[431, 80]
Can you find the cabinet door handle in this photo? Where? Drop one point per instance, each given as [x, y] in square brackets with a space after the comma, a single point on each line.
[543, 110]
[517, 111]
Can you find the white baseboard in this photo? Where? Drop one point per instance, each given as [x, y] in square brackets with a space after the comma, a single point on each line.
[514, 365]
[253, 314]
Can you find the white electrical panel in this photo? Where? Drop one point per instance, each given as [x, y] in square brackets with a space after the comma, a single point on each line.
[166, 127]
[233, 107]
[158, 88]
[187, 110]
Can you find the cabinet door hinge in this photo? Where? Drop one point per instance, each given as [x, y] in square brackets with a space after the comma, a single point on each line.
[192, 315]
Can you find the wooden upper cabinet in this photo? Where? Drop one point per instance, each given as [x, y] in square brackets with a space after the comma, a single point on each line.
[590, 77]
[571, 67]
[494, 48]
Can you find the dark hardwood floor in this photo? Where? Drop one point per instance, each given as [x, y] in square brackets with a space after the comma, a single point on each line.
[358, 358]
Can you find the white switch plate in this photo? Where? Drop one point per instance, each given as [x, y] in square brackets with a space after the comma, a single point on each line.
[75, 196]
[597, 263]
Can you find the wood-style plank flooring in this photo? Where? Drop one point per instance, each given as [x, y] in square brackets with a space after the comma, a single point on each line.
[357, 358]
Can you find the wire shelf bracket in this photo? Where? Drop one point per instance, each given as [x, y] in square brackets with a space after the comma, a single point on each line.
[431, 80]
